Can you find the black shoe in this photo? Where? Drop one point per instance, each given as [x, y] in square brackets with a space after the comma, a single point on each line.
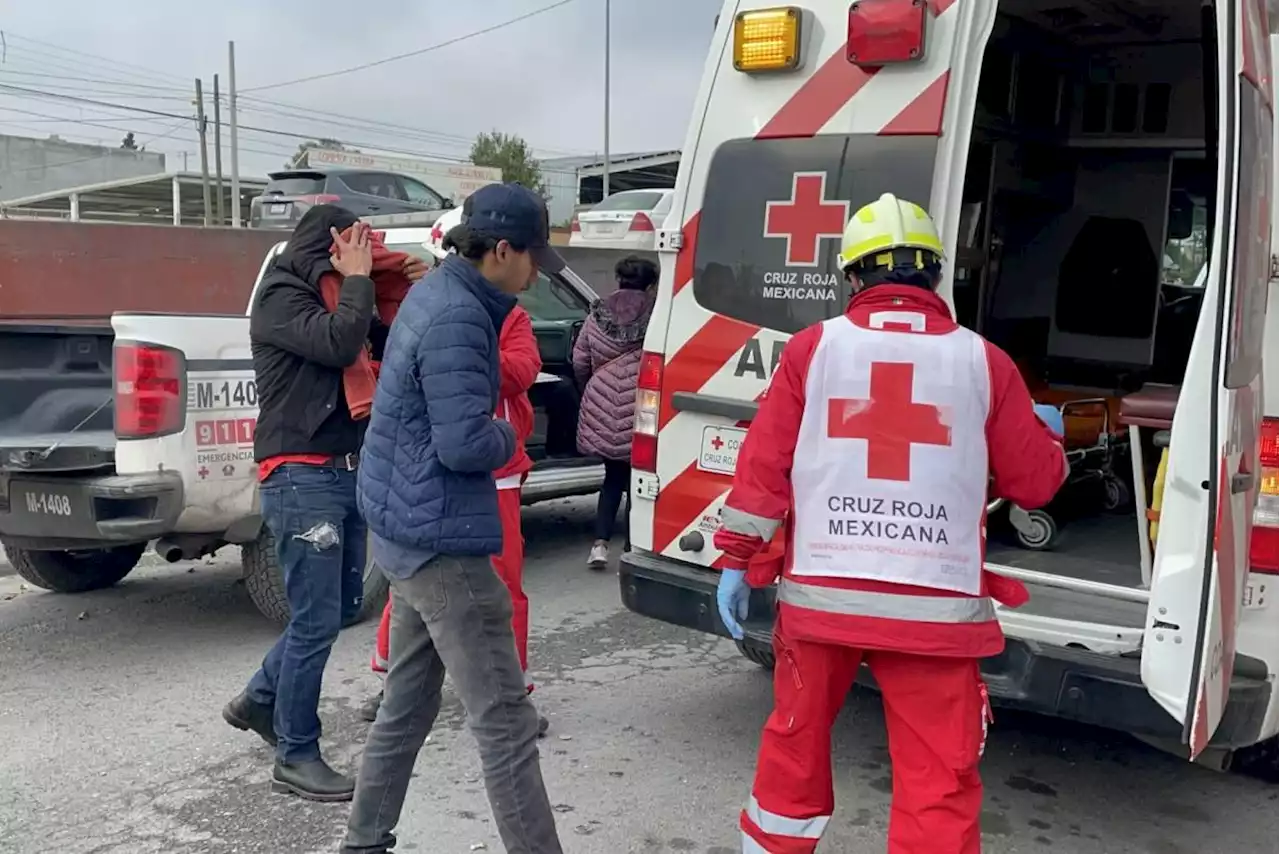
[313, 781]
[369, 711]
[244, 714]
[543, 726]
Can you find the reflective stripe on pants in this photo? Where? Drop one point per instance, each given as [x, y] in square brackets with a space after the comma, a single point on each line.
[893, 606]
[936, 715]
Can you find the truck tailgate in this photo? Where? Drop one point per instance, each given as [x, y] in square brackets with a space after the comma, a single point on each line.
[55, 396]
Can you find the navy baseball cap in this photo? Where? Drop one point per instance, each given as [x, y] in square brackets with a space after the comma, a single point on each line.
[516, 214]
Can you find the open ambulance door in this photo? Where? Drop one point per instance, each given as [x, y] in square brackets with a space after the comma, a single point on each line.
[1202, 556]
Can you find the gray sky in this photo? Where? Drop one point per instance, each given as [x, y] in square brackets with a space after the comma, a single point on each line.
[540, 78]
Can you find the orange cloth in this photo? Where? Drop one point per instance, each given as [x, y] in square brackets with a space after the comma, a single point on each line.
[390, 287]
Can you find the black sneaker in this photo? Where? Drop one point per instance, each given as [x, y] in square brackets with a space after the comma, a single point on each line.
[369, 711]
[312, 781]
[246, 715]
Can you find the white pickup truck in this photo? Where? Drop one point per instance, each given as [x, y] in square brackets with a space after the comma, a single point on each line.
[80, 498]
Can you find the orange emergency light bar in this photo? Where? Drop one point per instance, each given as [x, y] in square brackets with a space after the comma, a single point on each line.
[767, 40]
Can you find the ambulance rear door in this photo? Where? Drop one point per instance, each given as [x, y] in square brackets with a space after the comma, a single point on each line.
[775, 164]
[1202, 556]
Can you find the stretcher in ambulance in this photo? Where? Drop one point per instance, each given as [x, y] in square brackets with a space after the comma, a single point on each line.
[1103, 177]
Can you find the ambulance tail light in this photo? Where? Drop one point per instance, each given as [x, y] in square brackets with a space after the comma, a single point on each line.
[150, 390]
[767, 40]
[883, 32]
[575, 226]
[641, 222]
[644, 440]
[1263, 546]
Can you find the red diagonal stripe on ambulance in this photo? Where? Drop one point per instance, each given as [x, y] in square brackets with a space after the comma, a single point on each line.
[831, 87]
[687, 496]
[698, 360]
[923, 116]
[684, 259]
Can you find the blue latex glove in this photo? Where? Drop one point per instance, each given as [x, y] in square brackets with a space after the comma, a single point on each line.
[731, 597]
[1052, 417]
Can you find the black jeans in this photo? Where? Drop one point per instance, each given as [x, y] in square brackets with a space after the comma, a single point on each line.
[617, 483]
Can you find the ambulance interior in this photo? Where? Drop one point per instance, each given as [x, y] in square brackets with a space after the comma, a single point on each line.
[1083, 232]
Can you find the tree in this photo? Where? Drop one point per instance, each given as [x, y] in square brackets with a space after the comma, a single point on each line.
[513, 156]
[129, 143]
[300, 156]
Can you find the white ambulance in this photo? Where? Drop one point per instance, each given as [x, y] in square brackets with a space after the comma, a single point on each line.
[1085, 161]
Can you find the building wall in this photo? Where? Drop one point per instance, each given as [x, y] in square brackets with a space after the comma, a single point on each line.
[31, 166]
[80, 269]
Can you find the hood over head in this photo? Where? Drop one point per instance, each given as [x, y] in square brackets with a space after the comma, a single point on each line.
[624, 314]
[307, 253]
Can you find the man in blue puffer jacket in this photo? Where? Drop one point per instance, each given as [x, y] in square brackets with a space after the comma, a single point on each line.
[427, 493]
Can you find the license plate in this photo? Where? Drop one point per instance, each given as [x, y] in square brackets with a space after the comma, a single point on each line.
[719, 451]
[1257, 595]
[603, 229]
[44, 503]
[278, 210]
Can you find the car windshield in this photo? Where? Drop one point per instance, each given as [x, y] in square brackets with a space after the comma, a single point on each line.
[548, 300]
[639, 201]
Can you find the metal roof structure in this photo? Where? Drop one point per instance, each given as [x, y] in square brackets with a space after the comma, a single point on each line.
[630, 163]
[168, 197]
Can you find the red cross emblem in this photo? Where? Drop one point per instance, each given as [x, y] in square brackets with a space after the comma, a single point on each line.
[890, 421]
[805, 218]
[717, 443]
[204, 472]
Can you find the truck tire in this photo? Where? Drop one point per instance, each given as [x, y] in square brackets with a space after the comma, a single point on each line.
[264, 579]
[75, 571]
[756, 654]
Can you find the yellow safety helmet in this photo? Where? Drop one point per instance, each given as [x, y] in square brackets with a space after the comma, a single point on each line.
[887, 224]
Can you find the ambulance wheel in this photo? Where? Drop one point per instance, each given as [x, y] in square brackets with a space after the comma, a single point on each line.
[264, 581]
[756, 654]
[76, 571]
[1115, 494]
[1040, 532]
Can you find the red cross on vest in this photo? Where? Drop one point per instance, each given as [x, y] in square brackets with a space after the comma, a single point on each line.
[805, 218]
[890, 421]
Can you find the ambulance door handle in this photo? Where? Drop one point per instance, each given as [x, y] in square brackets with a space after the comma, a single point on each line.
[710, 404]
[1241, 483]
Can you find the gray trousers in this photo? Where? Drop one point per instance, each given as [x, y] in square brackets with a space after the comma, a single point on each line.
[454, 615]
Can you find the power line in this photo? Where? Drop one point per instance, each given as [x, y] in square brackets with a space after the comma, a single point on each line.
[412, 53]
[302, 113]
[38, 93]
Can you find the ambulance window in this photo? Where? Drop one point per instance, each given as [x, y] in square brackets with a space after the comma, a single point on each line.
[1252, 267]
[774, 211]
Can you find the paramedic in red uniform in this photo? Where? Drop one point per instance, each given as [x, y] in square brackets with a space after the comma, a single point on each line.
[519, 364]
[904, 416]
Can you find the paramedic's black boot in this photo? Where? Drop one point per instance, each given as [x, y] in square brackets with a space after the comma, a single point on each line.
[313, 781]
[369, 711]
[244, 714]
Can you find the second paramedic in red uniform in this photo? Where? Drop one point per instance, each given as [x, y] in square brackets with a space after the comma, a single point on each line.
[904, 418]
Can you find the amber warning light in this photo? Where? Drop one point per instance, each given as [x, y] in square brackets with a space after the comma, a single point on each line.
[767, 40]
[882, 32]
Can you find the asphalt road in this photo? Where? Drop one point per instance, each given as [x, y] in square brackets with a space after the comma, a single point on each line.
[112, 741]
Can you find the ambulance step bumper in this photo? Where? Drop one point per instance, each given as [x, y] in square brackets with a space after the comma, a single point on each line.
[1102, 690]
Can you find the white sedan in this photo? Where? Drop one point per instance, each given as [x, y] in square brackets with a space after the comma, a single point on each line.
[626, 220]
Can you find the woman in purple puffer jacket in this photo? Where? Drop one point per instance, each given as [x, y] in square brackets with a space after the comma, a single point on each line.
[606, 362]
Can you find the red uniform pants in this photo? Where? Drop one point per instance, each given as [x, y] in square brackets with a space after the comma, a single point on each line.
[937, 714]
[510, 568]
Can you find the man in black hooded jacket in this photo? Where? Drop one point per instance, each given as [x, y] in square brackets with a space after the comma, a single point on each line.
[306, 445]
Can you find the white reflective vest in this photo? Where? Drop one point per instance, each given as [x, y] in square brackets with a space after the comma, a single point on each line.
[890, 474]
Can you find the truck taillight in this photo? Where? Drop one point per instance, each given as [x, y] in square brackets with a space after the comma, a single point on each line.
[644, 440]
[641, 222]
[322, 199]
[1263, 547]
[150, 397]
[882, 32]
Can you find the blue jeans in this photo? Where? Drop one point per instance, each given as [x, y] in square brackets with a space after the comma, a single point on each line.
[321, 543]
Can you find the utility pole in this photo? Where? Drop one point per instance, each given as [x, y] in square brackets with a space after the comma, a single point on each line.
[235, 147]
[604, 176]
[217, 151]
[204, 149]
